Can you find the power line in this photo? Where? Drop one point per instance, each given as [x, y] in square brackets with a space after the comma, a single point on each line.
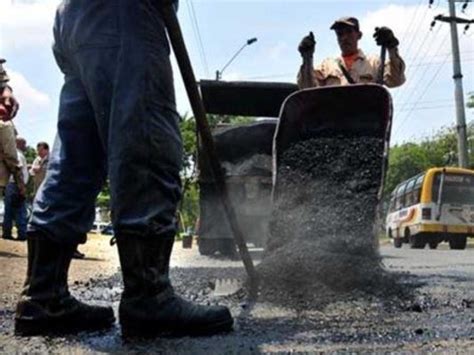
[418, 79]
[419, 48]
[416, 29]
[423, 94]
[405, 34]
[293, 74]
[422, 108]
[419, 59]
[197, 36]
[414, 103]
[466, 60]
[438, 55]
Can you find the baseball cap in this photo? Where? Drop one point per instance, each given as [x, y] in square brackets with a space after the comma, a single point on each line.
[346, 21]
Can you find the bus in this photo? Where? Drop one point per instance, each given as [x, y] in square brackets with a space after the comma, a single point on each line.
[434, 206]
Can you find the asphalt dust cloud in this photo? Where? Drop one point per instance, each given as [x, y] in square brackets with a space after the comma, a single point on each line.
[322, 246]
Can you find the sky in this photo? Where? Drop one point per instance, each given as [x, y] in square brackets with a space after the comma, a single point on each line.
[214, 30]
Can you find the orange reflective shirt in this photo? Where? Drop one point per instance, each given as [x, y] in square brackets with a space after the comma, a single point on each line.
[349, 60]
[362, 69]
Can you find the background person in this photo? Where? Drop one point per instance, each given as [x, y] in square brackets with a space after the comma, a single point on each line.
[8, 104]
[39, 165]
[38, 172]
[9, 164]
[15, 202]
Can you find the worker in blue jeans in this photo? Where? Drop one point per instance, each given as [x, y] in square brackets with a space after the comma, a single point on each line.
[15, 201]
[117, 119]
[15, 211]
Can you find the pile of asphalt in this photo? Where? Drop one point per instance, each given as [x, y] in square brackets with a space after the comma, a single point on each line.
[322, 246]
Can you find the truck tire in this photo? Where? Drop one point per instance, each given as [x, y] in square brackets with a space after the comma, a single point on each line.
[207, 246]
[458, 243]
[227, 248]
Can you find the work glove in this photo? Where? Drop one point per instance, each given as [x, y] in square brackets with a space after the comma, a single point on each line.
[384, 37]
[307, 45]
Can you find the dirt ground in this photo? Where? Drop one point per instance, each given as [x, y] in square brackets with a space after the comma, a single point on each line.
[438, 319]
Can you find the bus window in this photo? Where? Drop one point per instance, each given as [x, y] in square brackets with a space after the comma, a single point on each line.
[391, 207]
[400, 197]
[398, 203]
[457, 188]
[400, 190]
[419, 182]
[416, 195]
[410, 198]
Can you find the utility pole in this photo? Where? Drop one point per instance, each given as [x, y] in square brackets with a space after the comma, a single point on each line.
[457, 76]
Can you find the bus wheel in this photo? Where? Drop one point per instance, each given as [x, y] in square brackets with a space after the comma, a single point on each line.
[397, 242]
[458, 243]
[417, 242]
[433, 244]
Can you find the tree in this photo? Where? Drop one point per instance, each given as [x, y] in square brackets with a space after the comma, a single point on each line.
[405, 161]
[409, 159]
[470, 100]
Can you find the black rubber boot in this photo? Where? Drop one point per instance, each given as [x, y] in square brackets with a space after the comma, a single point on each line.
[149, 307]
[46, 306]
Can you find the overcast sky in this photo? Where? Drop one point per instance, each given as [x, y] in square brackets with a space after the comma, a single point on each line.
[215, 29]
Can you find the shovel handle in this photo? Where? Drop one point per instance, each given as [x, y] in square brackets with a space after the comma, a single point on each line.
[383, 55]
[184, 63]
[307, 72]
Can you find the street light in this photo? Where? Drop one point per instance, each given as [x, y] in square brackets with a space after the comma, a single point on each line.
[248, 43]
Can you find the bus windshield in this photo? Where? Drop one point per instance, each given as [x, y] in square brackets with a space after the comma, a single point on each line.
[457, 188]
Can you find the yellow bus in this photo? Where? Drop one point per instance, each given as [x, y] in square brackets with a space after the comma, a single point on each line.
[432, 207]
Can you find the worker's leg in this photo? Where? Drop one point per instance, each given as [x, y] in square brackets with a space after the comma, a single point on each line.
[21, 219]
[144, 158]
[63, 212]
[10, 191]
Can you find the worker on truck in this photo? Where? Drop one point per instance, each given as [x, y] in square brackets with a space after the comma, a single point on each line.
[353, 66]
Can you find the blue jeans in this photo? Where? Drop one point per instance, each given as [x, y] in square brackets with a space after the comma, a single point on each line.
[15, 211]
[117, 119]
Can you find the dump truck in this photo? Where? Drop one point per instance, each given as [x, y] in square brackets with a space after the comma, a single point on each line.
[245, 151]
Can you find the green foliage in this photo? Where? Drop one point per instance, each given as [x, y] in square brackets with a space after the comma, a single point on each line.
[189, 207]
[188, 134]
[103, 200]
[409, 159]
[405, 161]
[470, 100]
[214, 120]
[30, 154]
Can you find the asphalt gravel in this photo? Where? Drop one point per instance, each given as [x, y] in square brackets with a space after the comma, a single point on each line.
[322, 246]
[439, 318]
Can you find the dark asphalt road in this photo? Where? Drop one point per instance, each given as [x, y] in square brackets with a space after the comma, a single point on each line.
[440, 317]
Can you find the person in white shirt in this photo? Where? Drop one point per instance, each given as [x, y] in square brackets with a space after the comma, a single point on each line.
[40, 165]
